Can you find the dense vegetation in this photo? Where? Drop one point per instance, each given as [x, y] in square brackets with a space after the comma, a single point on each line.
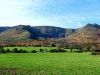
[58, 49]
[35, 49]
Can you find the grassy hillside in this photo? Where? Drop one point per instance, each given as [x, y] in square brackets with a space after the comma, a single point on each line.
[49, 64]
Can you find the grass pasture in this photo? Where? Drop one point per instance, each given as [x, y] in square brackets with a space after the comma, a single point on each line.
[49, 64]
[30, 48]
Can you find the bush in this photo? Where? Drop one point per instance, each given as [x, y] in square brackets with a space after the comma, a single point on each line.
[54, 50]
[33, 51]
[57, 50]
[8, 51]
[15, 50]
[61, 50]
[93, 53]
[22, 51]
[2, 51]
[41, 50]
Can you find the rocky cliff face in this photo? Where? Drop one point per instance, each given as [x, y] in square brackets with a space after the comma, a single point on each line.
[22, 32]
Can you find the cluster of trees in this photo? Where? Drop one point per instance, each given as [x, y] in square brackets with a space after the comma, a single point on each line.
[84, 47]
[58, 50]
[15, 50]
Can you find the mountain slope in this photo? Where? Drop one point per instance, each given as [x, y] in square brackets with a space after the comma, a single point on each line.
[4, 29]
[22, 32]
[89, 33]
[15, 33]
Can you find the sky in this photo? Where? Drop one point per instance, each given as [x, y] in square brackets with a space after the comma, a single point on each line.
[61, 13]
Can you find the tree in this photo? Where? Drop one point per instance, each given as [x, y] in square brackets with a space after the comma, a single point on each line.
[41, 50]
[15, 50]
[71, 47]
[2, 50]
[93, 50]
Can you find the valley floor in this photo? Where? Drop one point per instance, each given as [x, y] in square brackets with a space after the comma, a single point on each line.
[49, 64]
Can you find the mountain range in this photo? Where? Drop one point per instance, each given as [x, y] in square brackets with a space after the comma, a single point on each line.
[22, 32]
[88, 33]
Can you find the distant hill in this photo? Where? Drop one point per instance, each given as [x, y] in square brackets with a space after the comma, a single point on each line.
[4, 29]
[22, 32]
[90, 33]
[15, 33]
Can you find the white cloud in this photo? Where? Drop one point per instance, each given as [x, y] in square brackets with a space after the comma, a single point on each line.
[34, 12]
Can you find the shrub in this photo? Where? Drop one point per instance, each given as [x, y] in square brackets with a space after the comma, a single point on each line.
[8, 51]
[22, 51]
[33, 51]
[61, 50]
[93, 53]
[54, 50]
[2, 50]
[57, 50]
[41, 50]
[15, 50]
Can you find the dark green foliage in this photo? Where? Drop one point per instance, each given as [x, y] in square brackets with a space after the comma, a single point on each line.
[57, 50]
[93, 53]
[8, 51]
[15, 50]
[22, 51]
[2, 50]
[33, 51]
[41, 50]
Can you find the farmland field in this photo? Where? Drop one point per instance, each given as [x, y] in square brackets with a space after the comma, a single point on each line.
[49, 64]
[31, 48]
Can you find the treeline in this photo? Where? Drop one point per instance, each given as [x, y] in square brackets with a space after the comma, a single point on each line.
[15, 50]
[57, 50]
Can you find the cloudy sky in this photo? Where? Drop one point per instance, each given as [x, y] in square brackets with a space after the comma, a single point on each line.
[62, 13]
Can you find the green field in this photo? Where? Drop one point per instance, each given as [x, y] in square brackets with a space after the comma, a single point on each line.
[31, 48]
[49, 64]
